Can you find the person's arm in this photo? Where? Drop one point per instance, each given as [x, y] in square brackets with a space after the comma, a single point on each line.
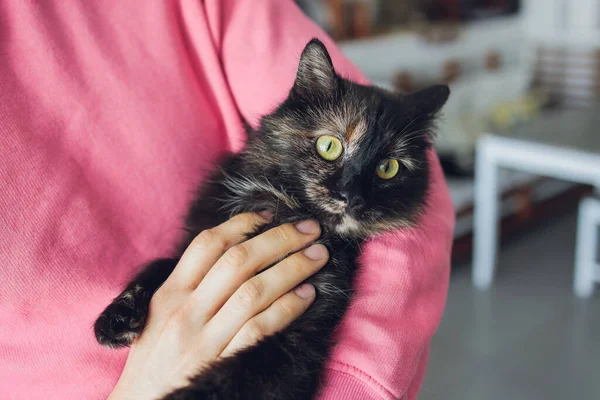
[384, 338]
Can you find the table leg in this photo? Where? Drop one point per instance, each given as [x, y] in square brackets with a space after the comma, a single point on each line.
[485, 215]
[586, 248]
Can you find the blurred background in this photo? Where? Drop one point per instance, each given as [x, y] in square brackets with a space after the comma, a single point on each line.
[520, 148]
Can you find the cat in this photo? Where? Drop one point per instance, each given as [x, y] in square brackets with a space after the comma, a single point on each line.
[351, 156]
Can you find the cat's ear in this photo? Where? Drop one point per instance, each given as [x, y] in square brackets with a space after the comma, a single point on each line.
[428, 101]
[316, 74]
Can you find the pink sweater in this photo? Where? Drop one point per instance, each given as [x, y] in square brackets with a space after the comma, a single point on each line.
[109, 114]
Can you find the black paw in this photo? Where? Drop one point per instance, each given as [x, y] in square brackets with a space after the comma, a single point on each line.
[123, 320]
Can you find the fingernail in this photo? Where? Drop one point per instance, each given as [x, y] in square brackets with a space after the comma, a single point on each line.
[307, 227]
[305, 291]
[268, 215]
[316, 252]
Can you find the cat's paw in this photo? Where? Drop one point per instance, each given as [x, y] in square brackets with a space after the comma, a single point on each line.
[123, 320]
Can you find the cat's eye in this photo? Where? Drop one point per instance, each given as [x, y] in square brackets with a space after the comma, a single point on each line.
[388, 169]
[329, 147]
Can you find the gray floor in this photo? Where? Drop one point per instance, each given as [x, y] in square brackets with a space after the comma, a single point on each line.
[528, 337]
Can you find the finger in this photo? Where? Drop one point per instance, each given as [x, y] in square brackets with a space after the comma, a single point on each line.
[243, 261]
[209, 246]
[278, 316]
[258, 293]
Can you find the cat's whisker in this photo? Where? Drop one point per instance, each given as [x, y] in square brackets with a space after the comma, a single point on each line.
[410, 123]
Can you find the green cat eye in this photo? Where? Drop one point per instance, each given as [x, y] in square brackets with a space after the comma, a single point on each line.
[329, 147]
[388, 169]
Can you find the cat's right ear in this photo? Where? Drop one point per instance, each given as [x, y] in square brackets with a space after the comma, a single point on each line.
[316, 74]
[428, 101]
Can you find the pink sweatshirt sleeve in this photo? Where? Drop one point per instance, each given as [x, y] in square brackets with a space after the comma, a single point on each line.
[401, 290]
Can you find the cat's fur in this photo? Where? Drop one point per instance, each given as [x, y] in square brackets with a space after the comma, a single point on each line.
[281, 171]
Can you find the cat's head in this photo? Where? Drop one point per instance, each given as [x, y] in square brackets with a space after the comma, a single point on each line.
[355, 155]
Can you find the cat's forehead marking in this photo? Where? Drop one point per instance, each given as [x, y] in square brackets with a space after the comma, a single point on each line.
[338, 118]
[355, 130]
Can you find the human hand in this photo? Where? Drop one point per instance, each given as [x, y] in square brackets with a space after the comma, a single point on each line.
[220, 299]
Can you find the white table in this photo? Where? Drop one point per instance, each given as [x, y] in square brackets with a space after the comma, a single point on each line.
[564, 145]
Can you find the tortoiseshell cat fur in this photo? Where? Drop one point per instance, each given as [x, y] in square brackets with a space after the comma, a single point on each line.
[281, 171]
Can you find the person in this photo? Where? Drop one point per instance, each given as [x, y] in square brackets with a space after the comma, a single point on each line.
[110, 115]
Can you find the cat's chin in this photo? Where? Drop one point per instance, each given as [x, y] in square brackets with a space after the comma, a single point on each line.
[361, 226]
[349, 226]
[345, 222]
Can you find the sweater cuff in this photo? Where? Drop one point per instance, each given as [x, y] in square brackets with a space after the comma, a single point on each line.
[341, 385]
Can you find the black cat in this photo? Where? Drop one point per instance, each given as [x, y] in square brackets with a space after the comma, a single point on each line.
[353, 157]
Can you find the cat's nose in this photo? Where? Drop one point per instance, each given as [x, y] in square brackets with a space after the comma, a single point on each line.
[354, 201]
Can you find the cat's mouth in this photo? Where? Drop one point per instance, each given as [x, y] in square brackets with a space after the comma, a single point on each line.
[343, 207]
[332, 204]
[345, 219]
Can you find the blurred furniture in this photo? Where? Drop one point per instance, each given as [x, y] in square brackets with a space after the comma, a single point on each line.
[564, 35]
[435, 21]
[570, 76]
[563, 145]
[473, 107]
[587, 269]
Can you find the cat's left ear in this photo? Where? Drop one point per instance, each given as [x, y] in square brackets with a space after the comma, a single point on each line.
[428, 101]
[316, 74]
